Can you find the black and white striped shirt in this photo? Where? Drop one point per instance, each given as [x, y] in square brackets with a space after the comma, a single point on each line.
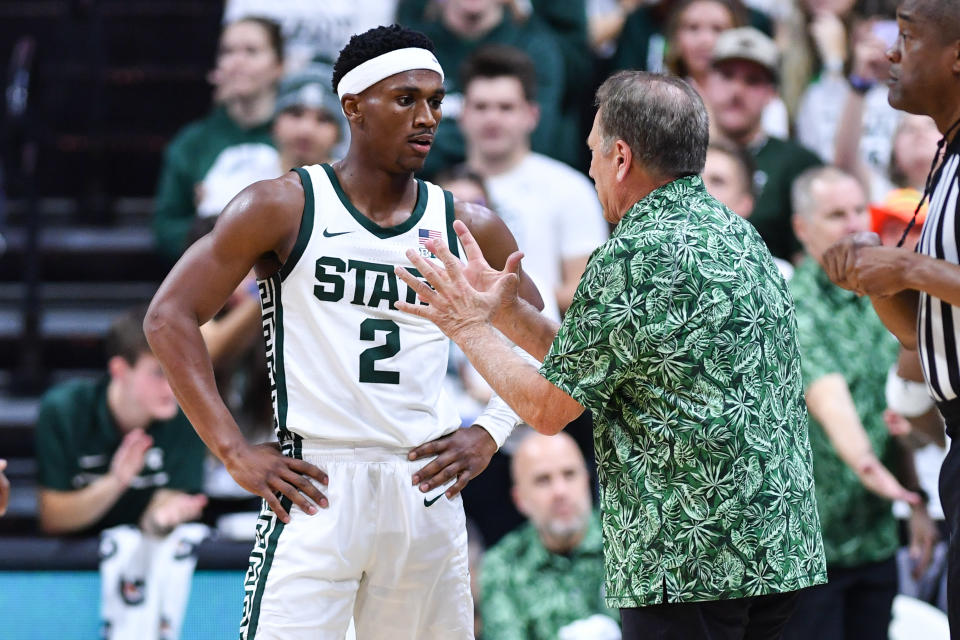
[938, 323]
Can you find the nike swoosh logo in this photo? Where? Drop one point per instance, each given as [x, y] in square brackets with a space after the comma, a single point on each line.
[327, 234]
[428, 503]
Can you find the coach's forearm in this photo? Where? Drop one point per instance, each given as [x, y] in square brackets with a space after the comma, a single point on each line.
[538, 402]
[527, 328]
[175, 339]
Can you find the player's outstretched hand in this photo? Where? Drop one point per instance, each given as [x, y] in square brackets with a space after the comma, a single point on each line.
[4, 488]
[262, 470]
[462, 454]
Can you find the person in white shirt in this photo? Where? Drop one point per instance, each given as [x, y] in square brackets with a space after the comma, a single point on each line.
[551, 208]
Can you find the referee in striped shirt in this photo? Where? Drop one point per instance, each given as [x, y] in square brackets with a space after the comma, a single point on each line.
[917, 292]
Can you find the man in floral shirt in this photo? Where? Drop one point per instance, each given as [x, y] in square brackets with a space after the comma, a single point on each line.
[681, 339]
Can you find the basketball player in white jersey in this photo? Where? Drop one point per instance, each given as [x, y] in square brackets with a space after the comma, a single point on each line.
[357, 384]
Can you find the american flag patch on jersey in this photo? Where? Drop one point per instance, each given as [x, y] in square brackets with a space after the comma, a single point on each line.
[428, 234]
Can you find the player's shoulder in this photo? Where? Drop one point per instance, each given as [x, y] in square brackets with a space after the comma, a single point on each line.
[269, 199]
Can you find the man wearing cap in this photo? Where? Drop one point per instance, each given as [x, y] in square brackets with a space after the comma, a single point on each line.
[845, 353]
[741, 84]
[309, 125]
[356, 384]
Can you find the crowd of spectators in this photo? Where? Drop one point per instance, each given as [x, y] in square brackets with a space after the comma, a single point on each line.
[803, 145]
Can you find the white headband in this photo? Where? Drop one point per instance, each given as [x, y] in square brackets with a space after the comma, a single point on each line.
[383, 66]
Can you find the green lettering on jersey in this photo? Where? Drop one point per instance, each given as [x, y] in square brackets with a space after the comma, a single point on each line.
[320, 291]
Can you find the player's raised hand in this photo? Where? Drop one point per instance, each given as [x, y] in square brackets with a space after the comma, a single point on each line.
[264, 471]
[454, 304]
[128, 460]
[462, 455]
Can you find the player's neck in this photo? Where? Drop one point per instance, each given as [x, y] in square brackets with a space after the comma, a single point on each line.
[380, 195]
[495, 165]
[249, 112]
[126, 414]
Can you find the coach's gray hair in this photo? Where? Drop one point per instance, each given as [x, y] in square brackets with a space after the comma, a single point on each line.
[661, 118]
[801, 191]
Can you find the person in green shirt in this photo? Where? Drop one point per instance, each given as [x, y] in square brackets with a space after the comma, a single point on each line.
[117, 450]
[740, 85]
[548, 574]
[681, 340]
[209, 161]
[846, 352]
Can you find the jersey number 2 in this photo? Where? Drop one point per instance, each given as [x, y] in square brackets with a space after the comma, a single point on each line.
[368, 358]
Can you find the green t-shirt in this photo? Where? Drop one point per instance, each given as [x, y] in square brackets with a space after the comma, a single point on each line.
[681, 339]
[529, 593]
[839, 332]
[76, 437]
[187, 161]
[779, 162]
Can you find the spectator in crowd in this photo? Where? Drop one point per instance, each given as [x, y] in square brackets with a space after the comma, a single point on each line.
[848, 101]
[309, 124]
[739, 87]
[548, 574]
[813, 36]
[557, 227]
[643, 39]
[212, 159]
[845, 353]
[708, 511]
[728, 177]
[605, 21]
[692, 32]
[884, 148]
[314, 31]
[460, 28]
[117, 450]
[4, 488]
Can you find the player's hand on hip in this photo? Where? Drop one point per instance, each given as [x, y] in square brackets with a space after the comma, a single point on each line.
[462, 455]
[262, 470]
[129, 457]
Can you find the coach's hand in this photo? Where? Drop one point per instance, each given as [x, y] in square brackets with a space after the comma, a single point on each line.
[463, 454]
[262, 470]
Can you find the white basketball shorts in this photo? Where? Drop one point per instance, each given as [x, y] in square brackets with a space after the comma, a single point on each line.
[386, 554]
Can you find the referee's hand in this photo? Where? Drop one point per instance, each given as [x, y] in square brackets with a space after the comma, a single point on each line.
[264, 471]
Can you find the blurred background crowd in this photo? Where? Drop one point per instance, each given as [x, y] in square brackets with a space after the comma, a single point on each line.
[129, 124]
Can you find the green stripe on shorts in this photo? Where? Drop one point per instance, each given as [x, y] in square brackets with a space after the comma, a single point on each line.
[269, 528]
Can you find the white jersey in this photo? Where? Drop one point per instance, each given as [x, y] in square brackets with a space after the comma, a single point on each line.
[345, 365]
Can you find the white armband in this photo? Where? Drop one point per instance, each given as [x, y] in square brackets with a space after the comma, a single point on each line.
[908, 398]
[498, 418]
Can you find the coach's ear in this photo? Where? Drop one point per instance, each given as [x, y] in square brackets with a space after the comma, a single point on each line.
[351, 107]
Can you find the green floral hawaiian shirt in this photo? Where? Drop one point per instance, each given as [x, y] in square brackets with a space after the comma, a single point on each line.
[682, 341]
[529, 593]
[839, 332]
